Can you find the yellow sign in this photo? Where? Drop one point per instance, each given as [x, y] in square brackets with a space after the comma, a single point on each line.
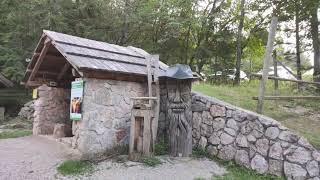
[34, 93]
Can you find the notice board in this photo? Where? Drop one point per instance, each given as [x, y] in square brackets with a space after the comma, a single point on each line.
[76, 100]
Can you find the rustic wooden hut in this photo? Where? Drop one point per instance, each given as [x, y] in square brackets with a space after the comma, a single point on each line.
[5, 84]
[109, 74]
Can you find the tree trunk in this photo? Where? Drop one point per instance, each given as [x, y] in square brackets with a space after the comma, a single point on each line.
[267, 59]
[239, 39]
[297, 23]
[316, 43]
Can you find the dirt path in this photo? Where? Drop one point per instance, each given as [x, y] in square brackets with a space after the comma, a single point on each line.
[32, 157]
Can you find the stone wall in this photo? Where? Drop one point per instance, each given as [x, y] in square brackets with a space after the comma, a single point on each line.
[106, 115]
[251, 140]
[51, 107]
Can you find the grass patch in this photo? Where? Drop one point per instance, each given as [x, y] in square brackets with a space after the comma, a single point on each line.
[151, 161]
[15, 134]
[236, 172]
[241, 96]
[74, 167]
[161, 148]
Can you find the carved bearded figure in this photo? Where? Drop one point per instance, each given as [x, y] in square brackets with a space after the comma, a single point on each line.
[180, 117]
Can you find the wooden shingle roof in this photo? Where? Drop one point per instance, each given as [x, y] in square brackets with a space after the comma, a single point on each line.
[4, 82]
[90, 55]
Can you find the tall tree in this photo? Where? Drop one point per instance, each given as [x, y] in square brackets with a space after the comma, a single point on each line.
[239, 39]
[315, 40]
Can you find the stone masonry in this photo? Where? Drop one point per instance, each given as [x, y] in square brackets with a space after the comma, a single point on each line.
[51, 107]
[252, 140]
[106, 115]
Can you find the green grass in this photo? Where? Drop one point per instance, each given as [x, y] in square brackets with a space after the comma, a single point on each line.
[241, 96]
[151, 161]
[161, 148]
[15, 134]
[74, 167]
[236, 172]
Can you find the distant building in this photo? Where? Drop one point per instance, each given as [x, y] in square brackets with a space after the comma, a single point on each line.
[281, 71]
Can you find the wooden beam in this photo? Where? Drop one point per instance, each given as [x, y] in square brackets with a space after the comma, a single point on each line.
[40, 59]
[63, 70]
[50, 56]
[285, 67]
[291, 80]
[287, 97]
[267, 58]
[45, 72]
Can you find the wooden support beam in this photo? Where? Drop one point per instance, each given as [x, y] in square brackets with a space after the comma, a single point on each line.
[288, 97]
[291, 80]
[267, 59]
[63, 70]
[44, 72]
[40, 59]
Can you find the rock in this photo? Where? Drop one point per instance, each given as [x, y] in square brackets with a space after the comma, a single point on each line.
[275, 167]
[229, 113]
[316, 155]
[272, 132]
[206, 118]
[284, 144]
[206, 130]
[294, 171]
[303, 142]
[230, 131]
[198, 107]
[203, 142]
[242, 141]
[231, 123]
[259, 164]
[251, 138]
[212, 150]
[262, 146]
[227, 152]
[226, 139]
[288, 136]
[217, 111]
[218, 123]
[315, 178]
[313, 168]
[299, 155]
[239, 115]
[276, 151]
[214, 139]
[242, 158]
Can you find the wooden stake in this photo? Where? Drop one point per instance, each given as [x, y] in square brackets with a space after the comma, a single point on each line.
[271, 37]
[275, 70]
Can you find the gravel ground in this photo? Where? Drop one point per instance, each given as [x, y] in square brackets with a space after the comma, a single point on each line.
[31, 158]
[170, 169]
[37, 157]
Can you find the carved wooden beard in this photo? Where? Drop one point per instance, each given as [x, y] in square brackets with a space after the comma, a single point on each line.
[180, 117]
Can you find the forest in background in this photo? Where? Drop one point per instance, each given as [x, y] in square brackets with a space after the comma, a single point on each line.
[202, 33]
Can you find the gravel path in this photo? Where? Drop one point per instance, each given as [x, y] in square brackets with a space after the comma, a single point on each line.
[37, 157]
[170, 169]
[31, 158]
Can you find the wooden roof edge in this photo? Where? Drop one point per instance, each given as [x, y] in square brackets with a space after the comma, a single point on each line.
[6, 82]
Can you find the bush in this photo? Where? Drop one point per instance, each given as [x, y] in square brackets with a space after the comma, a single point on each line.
[151, 161]
[74, 167]
[15, 134]
[161, 148]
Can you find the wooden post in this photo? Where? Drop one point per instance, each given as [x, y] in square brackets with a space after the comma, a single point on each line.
[267, 58]
[275, 69]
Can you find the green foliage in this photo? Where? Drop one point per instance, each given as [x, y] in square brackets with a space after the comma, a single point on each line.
[15, 134]
[199, 153]
[236, 172]
[161, 148]
[74, 167]
[151, 161]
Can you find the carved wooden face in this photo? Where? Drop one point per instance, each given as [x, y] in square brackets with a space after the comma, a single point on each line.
[179, 95]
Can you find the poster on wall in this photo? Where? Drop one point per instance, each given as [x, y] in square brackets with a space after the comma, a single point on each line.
[76, 100]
